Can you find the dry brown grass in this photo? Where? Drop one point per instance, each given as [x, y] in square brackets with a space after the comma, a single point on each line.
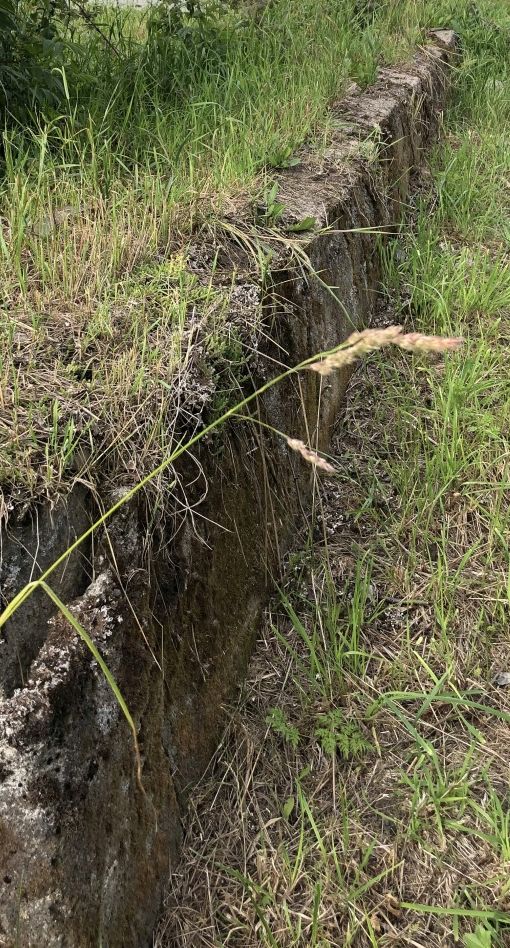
[95, 390]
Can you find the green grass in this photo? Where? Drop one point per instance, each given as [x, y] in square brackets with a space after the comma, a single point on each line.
[362, 796]
[107, 205]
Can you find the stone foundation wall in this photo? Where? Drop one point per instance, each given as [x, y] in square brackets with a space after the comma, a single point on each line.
[85, 852]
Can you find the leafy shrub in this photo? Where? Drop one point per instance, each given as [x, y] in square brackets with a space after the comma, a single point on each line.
[190, 36]
[30, 51]
[39, 39]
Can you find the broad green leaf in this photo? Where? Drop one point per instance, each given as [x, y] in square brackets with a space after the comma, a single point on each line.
[308, 223]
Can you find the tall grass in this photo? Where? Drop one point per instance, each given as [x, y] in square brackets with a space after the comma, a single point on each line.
[157, 133]
[399, 624]
[154, 121]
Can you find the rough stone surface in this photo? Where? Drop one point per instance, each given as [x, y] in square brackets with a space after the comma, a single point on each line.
[27, 549]
[84, 851]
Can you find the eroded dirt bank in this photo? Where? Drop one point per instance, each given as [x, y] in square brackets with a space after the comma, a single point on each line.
[84, 852]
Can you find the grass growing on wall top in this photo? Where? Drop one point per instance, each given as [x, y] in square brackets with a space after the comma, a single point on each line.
[155, 136]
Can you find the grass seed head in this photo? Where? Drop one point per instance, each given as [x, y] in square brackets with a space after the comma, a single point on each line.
[417, 342]
[369, 340]
[311, 456]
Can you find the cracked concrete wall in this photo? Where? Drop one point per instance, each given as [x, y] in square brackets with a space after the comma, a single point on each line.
[84, 851]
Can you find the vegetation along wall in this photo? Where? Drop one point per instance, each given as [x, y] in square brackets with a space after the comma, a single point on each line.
[171, 593]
